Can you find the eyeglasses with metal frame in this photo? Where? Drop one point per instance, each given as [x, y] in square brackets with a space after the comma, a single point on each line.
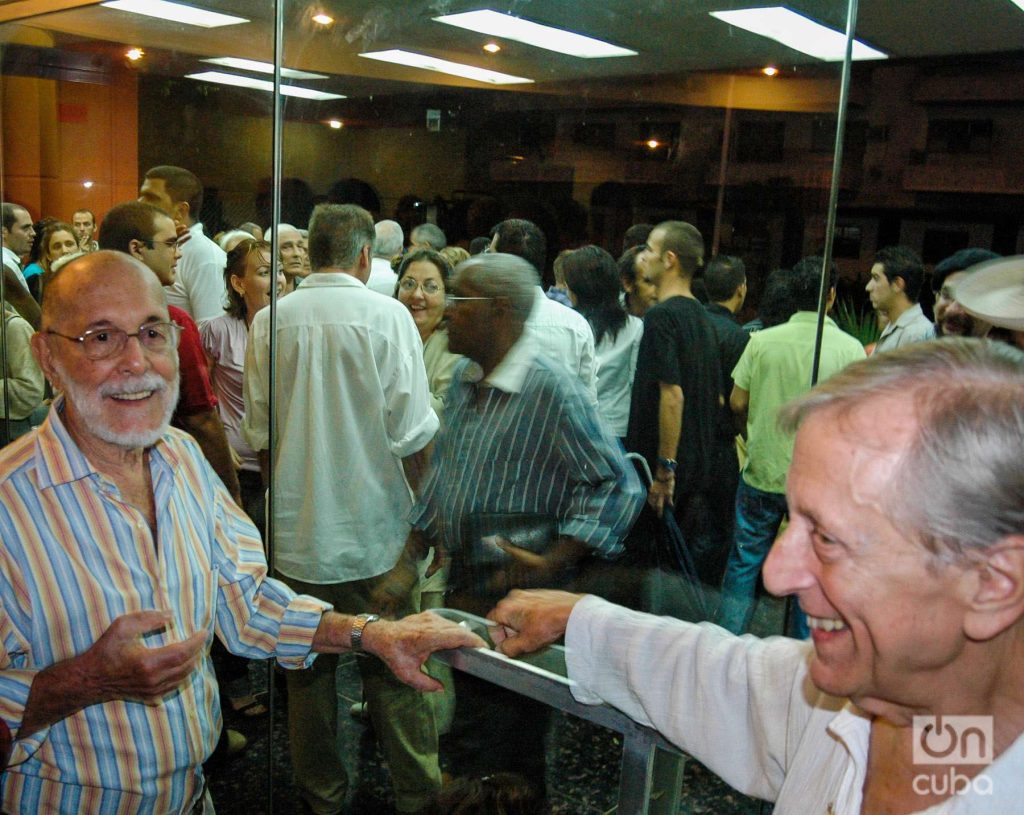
[102, 343]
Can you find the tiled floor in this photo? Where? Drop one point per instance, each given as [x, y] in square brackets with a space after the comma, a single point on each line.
[583, 762]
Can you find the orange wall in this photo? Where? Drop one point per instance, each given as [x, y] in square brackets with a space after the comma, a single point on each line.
[59, 134]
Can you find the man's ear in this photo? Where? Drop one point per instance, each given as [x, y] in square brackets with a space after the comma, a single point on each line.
[41, 351]
[181, 213]
[996, 589]
[134, 247]
[899, 284]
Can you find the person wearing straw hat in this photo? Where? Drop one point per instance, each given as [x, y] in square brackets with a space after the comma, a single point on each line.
[995, 293]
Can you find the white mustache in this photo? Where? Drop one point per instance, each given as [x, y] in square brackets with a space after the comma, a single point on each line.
[134, 384]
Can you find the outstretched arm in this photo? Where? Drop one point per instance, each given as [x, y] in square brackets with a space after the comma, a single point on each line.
[403, 645]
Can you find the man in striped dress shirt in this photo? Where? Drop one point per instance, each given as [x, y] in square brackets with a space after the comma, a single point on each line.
[524, 462]
[122, 555]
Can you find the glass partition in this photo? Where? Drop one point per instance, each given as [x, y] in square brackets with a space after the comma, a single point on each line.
[688, 114]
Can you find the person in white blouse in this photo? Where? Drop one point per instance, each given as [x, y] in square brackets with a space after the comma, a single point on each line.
[905, 548]
[225, 339]
[592, 278]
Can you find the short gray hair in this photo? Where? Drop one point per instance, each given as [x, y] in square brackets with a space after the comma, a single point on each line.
[959, 485]
[338, 233]
[389, 240]
[430, 234]
[499, 275]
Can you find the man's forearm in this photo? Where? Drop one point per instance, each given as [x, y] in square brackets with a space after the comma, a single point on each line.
[415, 466]
[208, 430]
[56, 693]
[670, 420]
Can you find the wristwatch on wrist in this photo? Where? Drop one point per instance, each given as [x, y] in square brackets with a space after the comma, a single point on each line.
[356, 637]
[669, 464]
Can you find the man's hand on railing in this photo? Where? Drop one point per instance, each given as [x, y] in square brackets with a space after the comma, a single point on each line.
[529, 620]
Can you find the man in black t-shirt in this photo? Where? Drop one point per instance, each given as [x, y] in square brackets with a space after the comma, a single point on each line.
[677, 391]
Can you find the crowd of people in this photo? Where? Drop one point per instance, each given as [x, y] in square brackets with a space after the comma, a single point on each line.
[445, 432]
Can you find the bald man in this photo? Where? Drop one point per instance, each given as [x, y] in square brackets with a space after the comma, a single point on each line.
[124, 554]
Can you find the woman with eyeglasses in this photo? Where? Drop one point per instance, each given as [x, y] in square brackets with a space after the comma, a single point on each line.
[422, 283]
[423, 277]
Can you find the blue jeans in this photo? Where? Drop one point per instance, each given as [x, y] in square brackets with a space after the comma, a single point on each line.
[758, 516]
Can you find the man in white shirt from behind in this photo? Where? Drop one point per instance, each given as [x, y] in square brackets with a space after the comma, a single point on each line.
[353, 421]
[199, 286]
[905, 548]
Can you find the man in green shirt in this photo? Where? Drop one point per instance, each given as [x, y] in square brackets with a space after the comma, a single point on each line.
[775, 367]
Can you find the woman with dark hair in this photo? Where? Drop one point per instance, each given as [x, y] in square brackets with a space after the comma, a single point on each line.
[592, 278]
[423, 277]
[225, 338]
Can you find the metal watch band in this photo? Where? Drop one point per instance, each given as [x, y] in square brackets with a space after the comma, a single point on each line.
[669, 464]
[356, 637]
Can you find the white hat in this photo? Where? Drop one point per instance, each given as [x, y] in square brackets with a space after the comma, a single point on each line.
[994, 292]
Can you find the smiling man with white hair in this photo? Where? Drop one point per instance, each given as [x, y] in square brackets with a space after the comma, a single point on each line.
[905, 548]
[123, 555]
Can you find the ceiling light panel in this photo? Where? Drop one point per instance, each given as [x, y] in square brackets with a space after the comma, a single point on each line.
[797, 32]
[261, 67]
[175, 12]
[427, 63]
[495, 24]
[221, 78]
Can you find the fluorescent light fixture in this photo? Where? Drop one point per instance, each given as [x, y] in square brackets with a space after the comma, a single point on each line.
[261, 67]
[221, 78]
[496, 24]
[428, 63]
[175, 12]
[797, 32]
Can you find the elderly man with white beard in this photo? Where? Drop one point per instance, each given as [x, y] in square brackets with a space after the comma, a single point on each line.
[122, 555]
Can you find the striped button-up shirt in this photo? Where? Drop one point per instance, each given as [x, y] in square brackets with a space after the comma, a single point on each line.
[527, 441]
[76, 556]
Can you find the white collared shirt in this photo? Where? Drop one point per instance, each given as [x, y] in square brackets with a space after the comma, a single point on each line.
[746, 708]
[198, 286]
[382, 277]
[911, 326]
[564, 335]
[352, 401]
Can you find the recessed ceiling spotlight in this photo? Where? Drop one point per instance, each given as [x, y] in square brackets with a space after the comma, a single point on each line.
[87, 184]
[335, 124]
[135, 54]
[492, 48]
[323, 19]
[770, 70]
[508, 27]
[654, 144]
